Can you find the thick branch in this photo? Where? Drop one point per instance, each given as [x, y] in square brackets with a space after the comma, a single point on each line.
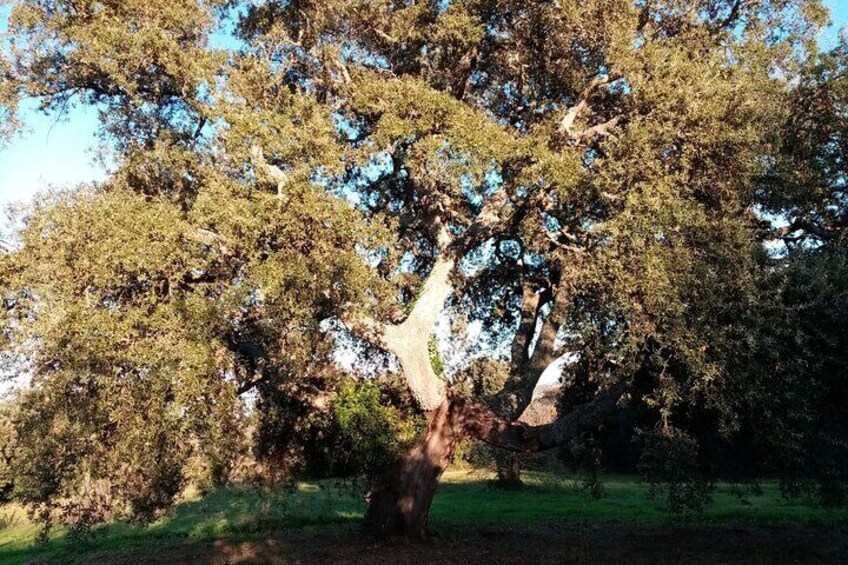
[806, 226]
[210, 239]
[481, 422]
[410, 340]
[569, 119]
[545, 351]
[383, 35]
[518, 391]
[530, 305]
[583, 418]
[603, 129]
[566, 126]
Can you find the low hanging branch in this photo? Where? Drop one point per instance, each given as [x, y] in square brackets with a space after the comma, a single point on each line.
[483, 423]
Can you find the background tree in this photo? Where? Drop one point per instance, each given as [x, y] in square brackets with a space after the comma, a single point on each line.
[799, 352]
[582, 178]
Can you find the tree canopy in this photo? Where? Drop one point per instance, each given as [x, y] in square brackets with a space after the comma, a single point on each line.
[647, 194]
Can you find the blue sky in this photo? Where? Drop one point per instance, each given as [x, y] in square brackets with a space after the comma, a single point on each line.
[60, 152]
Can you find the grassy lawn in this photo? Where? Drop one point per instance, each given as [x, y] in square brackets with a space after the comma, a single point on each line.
[463, 499]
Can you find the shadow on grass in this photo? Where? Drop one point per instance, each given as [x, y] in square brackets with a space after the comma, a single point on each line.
[222, 514]
[237, 515]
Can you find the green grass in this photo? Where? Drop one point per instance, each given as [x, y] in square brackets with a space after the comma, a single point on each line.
[463, 498]
[466, 498]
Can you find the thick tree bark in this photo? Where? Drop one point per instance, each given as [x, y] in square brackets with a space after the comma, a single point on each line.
[400, 504]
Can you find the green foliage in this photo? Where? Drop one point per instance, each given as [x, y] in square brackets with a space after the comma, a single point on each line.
[435, 357]
[8, 448]
[670, 465]
[481, 377]
[798, 333]
[135, 339]
[8, 102]
[377, 434]
[148, 61]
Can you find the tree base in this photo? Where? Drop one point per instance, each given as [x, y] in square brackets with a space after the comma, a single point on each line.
[400, 504]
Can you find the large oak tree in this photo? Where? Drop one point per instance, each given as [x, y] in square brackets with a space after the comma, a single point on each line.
[576, 181]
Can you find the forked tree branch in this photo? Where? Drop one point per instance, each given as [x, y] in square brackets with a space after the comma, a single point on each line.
[409, 340]
[517, 393]
[531, 304]
[567, 124]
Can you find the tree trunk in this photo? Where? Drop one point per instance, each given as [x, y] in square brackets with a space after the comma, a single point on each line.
[509, 466]
[400, 504]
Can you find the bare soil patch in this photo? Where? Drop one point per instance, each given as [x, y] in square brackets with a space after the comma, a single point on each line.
[595, 544]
